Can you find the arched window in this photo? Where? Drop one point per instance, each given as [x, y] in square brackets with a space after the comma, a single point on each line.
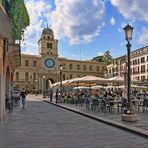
[26, 63]
[26, 76]
[17, 76]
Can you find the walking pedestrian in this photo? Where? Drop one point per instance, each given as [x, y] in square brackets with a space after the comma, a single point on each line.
[23, 96]
[57, 95]
[50, 94]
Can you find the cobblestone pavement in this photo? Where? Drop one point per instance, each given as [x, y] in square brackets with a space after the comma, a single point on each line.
[142, 122]
[42, 125]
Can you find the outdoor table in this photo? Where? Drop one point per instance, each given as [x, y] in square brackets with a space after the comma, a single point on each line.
[117, 102]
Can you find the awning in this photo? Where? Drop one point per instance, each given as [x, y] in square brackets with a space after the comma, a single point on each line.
[5, 26]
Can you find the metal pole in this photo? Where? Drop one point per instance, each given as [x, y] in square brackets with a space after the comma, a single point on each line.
[61, 82]
[128, 45]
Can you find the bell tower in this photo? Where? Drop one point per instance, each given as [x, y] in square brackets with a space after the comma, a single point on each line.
[48, 50]
[47, 44]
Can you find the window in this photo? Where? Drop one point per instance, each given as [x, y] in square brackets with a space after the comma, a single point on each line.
[113, 70]
[78, 67]
[97, 68]
[34, 76]
[84, 67]
[26, 63]
[70, 66]
[64, 66]
[142, 59]
[109, 71]
[63, 77]
[70, 76]
[138, 69]
[26, 76]
[49, 45]
[142, 68]
[17, 76]
[90, 67]
[142, 78]
[34, 63]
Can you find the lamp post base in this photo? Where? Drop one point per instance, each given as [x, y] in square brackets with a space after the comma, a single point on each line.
[129, 117]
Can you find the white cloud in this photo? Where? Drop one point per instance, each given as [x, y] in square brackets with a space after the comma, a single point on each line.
[38, 11]
[112, 21]
[143, 38]
[132, 9]
[78, 20]
[100, 53]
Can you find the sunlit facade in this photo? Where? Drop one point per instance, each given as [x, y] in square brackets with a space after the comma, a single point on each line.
[38, 71]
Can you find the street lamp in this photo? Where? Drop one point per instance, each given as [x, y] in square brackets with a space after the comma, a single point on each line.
[130, 113]
[61, 69]
[43, 86]
[37, 88]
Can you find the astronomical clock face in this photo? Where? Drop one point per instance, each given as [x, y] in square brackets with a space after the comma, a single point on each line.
[49, 63]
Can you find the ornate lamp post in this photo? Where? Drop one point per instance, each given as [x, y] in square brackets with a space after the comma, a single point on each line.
[44, 86]
[61, 69]
[130, 113]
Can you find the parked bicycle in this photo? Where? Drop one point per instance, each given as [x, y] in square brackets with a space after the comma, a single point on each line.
[9, 104]
[16, 101]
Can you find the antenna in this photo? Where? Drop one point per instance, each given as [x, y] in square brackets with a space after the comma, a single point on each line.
[80, 55]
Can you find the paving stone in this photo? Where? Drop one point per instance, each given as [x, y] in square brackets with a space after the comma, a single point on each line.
[42, 125]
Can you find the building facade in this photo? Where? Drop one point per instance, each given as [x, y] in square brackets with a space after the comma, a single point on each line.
[9, 59]
[37, 72]
[139, 65]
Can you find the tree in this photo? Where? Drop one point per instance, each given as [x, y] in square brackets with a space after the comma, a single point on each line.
[106, 57]
[19, 17]
[98, 59]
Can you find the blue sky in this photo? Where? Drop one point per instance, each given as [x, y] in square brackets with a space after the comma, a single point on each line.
[89, 26]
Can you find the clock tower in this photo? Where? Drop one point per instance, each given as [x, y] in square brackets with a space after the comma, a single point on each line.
[48, 50]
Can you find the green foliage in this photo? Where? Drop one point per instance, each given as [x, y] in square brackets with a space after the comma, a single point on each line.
[106, 57]
[98, 59]
[19, 17]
